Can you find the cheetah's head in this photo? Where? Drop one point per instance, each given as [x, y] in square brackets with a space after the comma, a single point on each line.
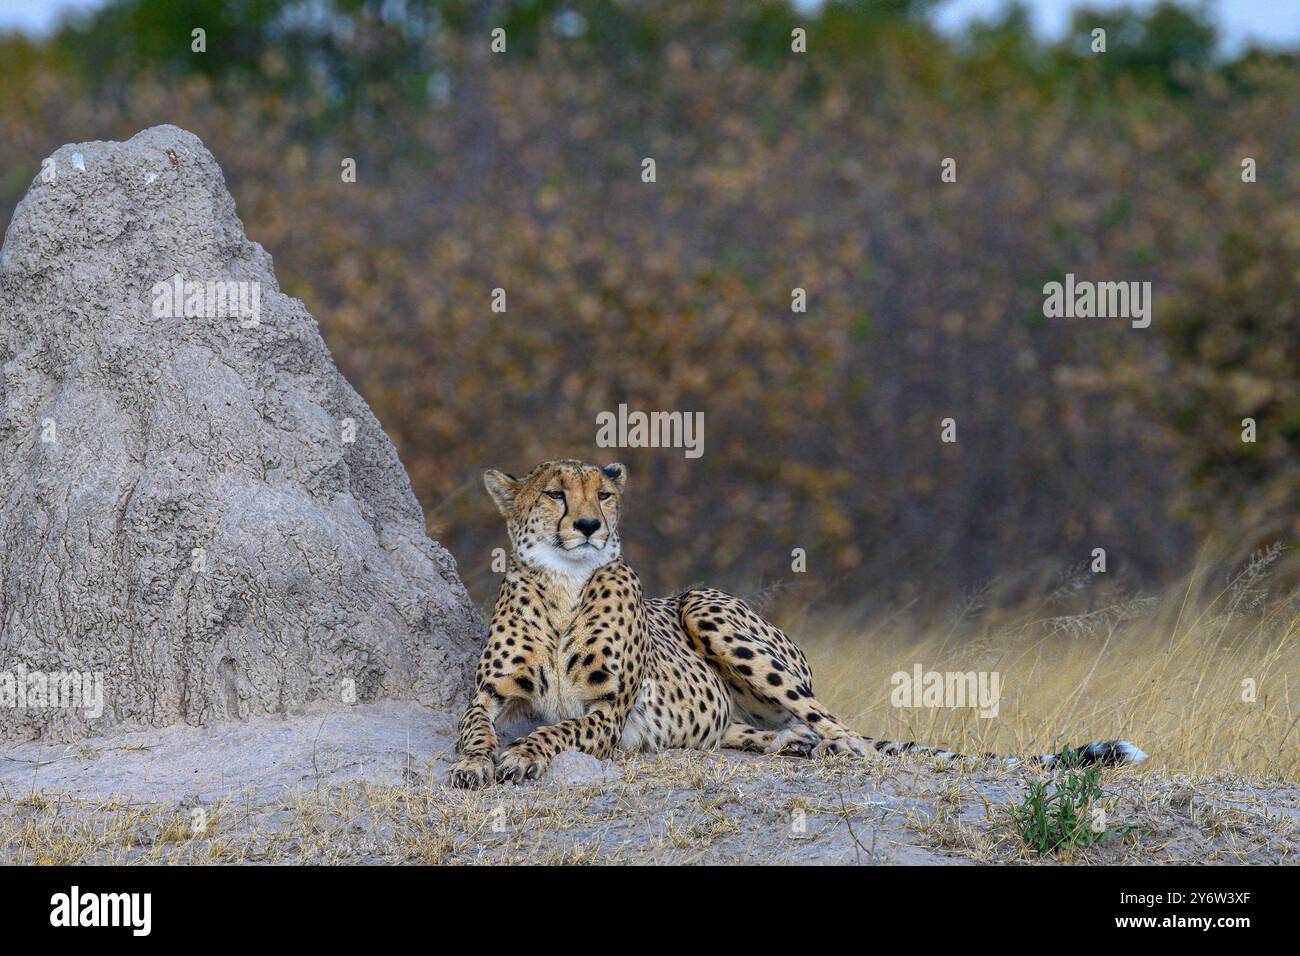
[563, 515]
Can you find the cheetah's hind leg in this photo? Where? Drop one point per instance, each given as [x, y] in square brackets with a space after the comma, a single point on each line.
[766, 671]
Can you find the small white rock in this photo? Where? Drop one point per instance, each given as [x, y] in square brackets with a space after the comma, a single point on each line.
[79, 161]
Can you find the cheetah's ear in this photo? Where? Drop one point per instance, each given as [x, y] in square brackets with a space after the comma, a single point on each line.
[616, 473]
[502, 488]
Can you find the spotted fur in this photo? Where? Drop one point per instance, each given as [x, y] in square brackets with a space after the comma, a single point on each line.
[573, 640]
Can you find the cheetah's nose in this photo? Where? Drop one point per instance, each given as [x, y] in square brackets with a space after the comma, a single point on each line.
[587, 526]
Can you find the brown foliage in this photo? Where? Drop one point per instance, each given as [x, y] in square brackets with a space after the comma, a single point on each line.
[821, 429]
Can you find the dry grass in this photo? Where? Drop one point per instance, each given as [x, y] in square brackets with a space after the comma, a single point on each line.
[681, 808]
[1174, 674]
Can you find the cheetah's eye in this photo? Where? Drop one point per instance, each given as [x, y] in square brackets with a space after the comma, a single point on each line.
[605, 494]
[557, 495]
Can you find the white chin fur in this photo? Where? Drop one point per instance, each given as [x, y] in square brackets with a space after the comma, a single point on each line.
[579, 561]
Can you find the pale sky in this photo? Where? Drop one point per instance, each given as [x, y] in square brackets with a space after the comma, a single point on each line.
[1268, 22]
[37, 16]
[1274, 23]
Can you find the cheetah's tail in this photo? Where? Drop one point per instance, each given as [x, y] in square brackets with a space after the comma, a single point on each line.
[1105, 753]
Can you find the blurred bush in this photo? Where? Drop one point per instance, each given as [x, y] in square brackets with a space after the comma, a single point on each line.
[775, 171]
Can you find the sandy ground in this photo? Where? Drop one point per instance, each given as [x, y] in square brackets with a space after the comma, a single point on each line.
[365, 785]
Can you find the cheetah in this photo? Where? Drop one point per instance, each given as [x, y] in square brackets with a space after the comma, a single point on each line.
[574, 641]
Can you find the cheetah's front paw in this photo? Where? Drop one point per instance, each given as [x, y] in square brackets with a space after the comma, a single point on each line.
[472, 772]
[521, 763]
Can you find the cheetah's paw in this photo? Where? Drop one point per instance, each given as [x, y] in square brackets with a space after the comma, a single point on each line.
[841, 745]
[796, 739]
[520, 764]
[472, 772]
